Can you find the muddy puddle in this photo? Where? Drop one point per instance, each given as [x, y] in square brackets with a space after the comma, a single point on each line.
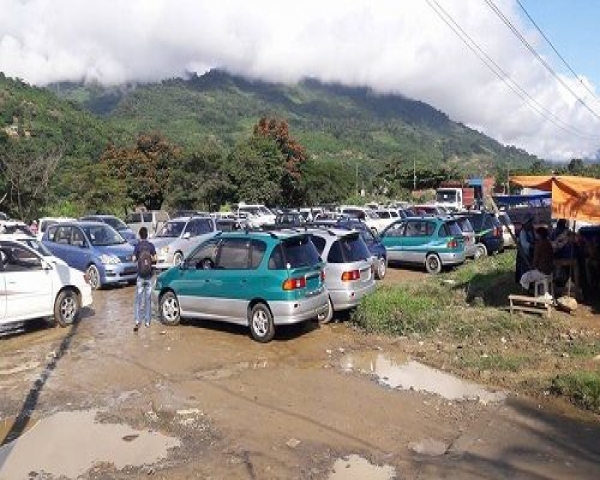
[68, 444]
[355, 467]
[410, 375]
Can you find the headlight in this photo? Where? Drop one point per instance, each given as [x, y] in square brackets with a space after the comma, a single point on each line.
[109, 259]
[164, 250]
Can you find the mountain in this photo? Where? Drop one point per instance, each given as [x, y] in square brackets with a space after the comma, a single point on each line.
[331, 120]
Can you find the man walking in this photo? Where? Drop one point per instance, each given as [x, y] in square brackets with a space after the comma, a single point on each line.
[145, 255]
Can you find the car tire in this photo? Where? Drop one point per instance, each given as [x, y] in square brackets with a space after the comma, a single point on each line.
[168, 308]
[480, 251]
[381, 270]
[261, 323]
[177, 259]
[66, 308]
[433, 264]
[93, 276]
[328, 316]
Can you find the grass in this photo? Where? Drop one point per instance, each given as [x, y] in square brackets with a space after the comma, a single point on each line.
[463, 319]
[582, 388]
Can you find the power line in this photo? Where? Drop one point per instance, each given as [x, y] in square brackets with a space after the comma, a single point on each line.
[533, 51]
[501, 74]
[556, 51]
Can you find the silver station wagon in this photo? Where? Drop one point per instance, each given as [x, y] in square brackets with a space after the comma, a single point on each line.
[349, 270]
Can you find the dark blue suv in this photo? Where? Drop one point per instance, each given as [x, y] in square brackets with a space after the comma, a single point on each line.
[488, 233]
[376, 248]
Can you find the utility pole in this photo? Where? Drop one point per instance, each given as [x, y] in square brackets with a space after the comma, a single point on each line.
[414, 174]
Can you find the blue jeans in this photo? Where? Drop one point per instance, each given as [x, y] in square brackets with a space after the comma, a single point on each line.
[143, 300]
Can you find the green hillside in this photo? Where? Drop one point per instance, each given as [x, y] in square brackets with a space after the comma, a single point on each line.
[332, 121]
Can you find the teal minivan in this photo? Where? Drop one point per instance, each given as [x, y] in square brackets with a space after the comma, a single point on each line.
[255, 279]
[433, 242]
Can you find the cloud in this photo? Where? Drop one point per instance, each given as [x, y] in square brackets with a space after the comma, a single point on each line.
[391, 46]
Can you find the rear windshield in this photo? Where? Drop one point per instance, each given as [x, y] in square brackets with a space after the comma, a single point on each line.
[465, 225]
[476, 221]
[450, 229]
[294, 253]
[348, 249]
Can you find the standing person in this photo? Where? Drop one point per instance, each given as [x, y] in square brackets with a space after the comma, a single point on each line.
[525, 245]
[33, 228]
[145, 255]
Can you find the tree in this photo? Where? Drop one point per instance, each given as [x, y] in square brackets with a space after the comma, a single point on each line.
[576, 167]
[143, 170]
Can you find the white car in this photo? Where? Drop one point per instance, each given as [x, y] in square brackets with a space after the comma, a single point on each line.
[366, 215]
[46, 222]
[257, 215]
[33, 287]
[33, 243]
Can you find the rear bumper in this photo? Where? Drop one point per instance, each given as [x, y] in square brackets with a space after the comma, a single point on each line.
[449, 258]
[296, 311]
[350, 297]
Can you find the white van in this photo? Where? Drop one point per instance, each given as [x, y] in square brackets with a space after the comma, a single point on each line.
[256, 214]
[153, 220]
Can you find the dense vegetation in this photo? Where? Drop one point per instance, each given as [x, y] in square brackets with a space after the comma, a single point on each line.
[217, 139]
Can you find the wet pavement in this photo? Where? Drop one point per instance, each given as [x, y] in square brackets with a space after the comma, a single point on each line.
[203, 400]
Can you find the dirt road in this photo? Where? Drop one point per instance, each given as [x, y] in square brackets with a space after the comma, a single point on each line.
[203, 400]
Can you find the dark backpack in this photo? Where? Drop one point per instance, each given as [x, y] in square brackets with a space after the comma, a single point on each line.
[145, 264]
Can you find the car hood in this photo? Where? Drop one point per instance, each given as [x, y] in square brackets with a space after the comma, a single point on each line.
[123, 251]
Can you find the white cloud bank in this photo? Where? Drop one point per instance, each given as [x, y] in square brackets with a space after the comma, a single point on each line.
[397, 46]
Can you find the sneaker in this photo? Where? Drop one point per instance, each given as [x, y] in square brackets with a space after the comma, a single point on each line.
[136, 327]
[147, 324]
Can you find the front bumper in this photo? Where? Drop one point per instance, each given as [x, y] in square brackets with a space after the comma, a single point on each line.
[296, 311]
[121, 272]
[350, 297]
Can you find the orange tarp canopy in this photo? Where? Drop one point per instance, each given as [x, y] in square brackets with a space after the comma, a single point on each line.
[574, 198]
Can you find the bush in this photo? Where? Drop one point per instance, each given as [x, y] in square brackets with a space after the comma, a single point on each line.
[582, 388]
[399, 311]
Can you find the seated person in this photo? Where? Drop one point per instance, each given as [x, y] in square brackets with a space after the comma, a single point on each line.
[543, 262]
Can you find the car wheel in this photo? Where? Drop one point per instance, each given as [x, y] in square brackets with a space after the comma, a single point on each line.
[433, 264]
[93, 276]
[328, 315]
[177, 259]
[170, 313]
[480, 251]
[66, 308]
[262, 326]
[381, 268]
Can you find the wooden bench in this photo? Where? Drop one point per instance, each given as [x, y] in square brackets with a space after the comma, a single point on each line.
[528, 304]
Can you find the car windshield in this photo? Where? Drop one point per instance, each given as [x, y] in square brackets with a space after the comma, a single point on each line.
[37, 246]
[445, 196]
[299, 252]
[103, 235]
[116, 223]
[171, 230]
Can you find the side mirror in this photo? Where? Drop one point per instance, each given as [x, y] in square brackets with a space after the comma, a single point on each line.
[46, 265]
[187, 236]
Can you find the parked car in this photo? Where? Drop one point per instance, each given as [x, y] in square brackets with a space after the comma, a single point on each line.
[387, 216]
[230, 224]
[488, 233]
[289, 219]
[34, 244]
[376, 248]
[178, 237]
[470, 238]
[349, 272]
[366, 215]
[31, 287]
[116, 223]
[428, 210]
[14, 226]
[153, 220]
[258, 279]
[45, 222]
[508, 228]
[95, 248]
[257, 214]
[433, 242]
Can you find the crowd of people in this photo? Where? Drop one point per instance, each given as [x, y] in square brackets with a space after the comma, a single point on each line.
[561, 254]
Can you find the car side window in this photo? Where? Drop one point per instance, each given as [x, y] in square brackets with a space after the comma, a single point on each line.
[420, 229]
[52, 233]
[233, 254]
[205, 256]
[77, 238]
[396, 230]
[19, 259]
[63, 235]
[257, 253]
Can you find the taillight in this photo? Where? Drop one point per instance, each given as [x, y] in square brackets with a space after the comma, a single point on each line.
[452, 244]
[322, 275]
[498, 232]
[351, 275]
[294, 283]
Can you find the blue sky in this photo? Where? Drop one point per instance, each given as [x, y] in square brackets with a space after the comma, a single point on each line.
[407, 47]
[573, 27]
